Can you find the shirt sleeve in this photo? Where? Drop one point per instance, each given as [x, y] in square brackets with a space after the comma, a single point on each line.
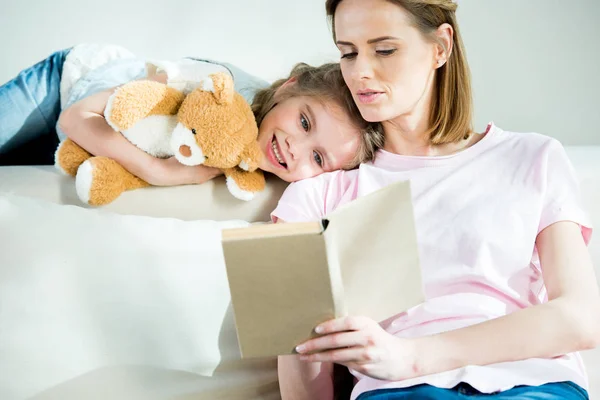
[562, 194]
[186, 74]
[302, 201]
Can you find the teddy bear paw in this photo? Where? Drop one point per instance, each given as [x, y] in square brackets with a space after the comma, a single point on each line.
[238, 192]
[84, 181]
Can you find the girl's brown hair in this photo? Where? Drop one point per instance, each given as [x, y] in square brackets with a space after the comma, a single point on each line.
[451, 116]
[326, 84]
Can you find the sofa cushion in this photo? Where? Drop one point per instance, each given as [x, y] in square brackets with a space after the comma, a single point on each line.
[210, 200]
[96, 304]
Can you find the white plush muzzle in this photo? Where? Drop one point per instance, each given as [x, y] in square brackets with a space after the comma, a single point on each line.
[185, 148]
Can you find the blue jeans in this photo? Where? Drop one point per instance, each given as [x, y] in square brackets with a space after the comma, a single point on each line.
[29, 110]
[550, 391]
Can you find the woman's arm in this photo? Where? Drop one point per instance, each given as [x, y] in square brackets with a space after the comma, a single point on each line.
[299, 380]
[84, 123]
[569, 321]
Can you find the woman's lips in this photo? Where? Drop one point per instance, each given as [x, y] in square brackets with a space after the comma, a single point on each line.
[368, 97]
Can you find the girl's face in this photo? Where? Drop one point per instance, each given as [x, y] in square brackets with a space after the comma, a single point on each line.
[302, 137]
[386, 62]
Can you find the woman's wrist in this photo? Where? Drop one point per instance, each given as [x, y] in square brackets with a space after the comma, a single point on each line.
[411, 358]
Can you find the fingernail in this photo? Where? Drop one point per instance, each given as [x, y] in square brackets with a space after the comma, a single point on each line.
[319, 329]
[300, 348]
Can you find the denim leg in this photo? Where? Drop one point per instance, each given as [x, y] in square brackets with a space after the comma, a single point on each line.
[424, 392]
[29, 110]
[550, 391]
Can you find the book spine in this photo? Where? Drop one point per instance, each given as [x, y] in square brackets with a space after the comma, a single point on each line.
[335, 275]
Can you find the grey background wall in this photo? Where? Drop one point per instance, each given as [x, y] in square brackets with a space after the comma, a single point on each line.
[534, 62]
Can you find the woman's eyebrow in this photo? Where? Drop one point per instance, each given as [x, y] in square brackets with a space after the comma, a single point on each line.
[370, 41]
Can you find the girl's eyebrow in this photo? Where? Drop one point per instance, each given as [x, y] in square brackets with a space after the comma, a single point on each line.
[327, 160]
[311, 117]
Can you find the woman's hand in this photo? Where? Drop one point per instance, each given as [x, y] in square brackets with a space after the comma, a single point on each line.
[362, 345]
[170, 172]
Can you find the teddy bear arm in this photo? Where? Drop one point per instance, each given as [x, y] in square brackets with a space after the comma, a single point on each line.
[137, 100]
[243, 184]
[251, 156]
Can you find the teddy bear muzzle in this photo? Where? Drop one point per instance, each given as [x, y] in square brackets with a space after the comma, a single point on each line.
[185, 148]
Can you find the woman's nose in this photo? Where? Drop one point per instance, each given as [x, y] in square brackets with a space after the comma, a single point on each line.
[363, 69]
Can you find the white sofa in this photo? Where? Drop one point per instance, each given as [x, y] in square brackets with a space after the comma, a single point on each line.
[119, 378]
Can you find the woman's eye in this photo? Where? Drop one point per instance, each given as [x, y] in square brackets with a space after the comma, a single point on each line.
[304, 122]
[386, 52]
[318, 158]
[349, 55]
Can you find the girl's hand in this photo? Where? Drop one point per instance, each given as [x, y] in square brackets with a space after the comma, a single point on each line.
[362, 345]
[170, 172]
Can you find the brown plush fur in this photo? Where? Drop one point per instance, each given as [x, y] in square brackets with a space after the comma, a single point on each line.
[149, 97]
[225, 127]
[109, 180]
[69, 156]
[248, 181]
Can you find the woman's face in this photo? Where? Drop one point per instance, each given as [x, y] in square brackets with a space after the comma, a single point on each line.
[302, 137]
[386, 62]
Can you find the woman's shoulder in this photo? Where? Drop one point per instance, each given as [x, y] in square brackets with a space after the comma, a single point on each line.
[325, 184]
[313, 198]
[526, 143]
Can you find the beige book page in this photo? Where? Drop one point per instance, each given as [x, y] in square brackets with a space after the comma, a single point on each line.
[280, 291]
[375, 241]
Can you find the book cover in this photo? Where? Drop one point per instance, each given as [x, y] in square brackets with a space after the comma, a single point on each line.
[285, 279]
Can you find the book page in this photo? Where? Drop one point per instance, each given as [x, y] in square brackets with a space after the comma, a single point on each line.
[375, 241]
[280, 291]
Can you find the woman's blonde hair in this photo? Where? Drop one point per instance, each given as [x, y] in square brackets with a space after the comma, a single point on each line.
[451, 116]
[326, 84]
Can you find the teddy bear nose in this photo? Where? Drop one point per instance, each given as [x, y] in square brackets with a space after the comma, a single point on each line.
[185, 150]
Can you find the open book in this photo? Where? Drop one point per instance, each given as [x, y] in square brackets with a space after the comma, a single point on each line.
[287, 278]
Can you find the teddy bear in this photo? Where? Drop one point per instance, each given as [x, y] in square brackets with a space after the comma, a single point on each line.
[211, 125]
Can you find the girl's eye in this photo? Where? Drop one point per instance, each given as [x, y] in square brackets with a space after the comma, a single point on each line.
[386, 52]
[318, 158]
[304, 122]
[349, 55]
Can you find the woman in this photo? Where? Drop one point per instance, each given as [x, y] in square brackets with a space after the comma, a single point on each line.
[511, 294]
[308, 123]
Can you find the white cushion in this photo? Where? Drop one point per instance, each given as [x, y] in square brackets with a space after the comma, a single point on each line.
[210, 200]
[95, 304]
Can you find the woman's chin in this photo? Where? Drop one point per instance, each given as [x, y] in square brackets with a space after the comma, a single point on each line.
[371, 114]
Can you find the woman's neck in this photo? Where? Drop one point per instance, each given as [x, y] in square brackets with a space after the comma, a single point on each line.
[409, 137]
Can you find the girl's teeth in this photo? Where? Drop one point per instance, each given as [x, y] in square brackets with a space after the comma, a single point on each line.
[276, 151]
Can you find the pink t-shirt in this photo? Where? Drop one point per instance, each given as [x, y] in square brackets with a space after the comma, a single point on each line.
[478, 213]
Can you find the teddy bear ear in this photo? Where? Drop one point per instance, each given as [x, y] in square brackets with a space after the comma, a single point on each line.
[223, 88]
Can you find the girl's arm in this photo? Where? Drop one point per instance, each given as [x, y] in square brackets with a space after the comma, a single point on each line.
[568, 322]
[84, 123]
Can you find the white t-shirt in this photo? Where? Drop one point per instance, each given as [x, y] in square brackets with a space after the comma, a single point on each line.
[478, 213]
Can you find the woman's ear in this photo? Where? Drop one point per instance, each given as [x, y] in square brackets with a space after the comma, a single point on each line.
[286, 84]
[445, 40]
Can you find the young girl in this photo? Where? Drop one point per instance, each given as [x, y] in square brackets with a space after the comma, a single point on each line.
[308, 122]
[511, 293]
